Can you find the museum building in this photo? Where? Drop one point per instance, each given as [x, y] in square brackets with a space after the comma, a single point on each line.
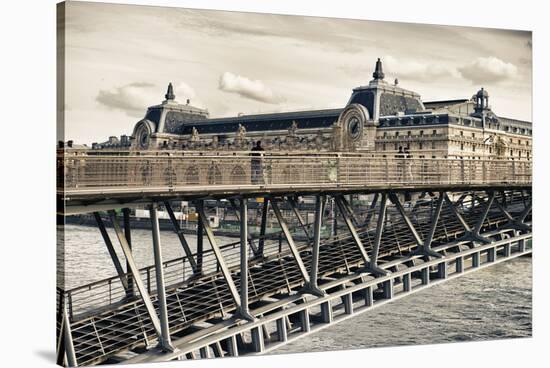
[379, 117]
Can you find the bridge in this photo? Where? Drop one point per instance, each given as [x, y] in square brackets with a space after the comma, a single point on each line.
[427, 221]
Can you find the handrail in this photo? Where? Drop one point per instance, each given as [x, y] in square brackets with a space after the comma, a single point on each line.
[102, 174]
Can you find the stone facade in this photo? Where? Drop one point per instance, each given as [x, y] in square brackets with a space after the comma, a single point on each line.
[379, 117]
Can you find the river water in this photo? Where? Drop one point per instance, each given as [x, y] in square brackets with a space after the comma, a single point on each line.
[492, 303]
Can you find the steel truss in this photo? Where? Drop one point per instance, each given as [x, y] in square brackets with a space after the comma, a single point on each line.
[280, 295]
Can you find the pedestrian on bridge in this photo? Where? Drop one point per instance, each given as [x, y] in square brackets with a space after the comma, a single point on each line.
[256, 164]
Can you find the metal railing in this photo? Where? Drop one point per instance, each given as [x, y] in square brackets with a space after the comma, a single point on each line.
[113, 173]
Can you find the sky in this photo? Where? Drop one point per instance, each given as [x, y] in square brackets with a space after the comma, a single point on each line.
[119, 60]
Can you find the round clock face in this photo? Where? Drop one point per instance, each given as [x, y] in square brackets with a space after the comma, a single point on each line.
[355, 127]
[144, 139]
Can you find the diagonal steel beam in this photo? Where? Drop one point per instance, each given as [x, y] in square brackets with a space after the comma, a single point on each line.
[408, 222]
[263, 226]
[135, 273]
[313, 286]
[301, 221]
[379, 230]
[370, 211]
[457, 214]
[183, 241]
[219, 256]
[352, 229]
[349, 210]
[525, 212]
[112, 252]
[290, 241]
[426, 247]
[486, 210]
[504, 210]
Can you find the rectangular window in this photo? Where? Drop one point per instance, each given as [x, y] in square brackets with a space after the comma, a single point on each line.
[434, 132]
[421, 133]
[397, 134]
[409, 133]
[461, 133]
[420, 145]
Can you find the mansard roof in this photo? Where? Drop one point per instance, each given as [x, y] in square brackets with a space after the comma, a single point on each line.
[266, 122]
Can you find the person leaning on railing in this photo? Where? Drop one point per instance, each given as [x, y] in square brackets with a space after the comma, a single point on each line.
[256, 171]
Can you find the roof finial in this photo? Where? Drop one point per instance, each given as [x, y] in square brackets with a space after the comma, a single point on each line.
[170, 92]
[378, 73]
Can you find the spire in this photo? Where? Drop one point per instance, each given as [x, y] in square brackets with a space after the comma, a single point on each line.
[170, 93]
[378, 73]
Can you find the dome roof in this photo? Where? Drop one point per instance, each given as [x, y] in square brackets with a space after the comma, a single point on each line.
[482, 93]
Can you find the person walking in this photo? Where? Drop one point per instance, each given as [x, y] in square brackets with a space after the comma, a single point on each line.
[256, 164]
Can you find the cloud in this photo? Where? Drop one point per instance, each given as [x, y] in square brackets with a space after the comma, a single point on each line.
[134, 98]
[247, 88]
[416, 70]
[488, 70]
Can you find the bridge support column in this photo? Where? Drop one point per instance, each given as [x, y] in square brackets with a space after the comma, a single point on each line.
[521, 245]
[238, 215]
[407, 282]
[257, 339]
[243, 209]
[128, 234]
[135, 273]
[181, 236]
[232, 347]
[475, 260]
[263, 225]
[200, 244]
[281, 330]
[491, 255]
[348, 303]
[425, 275]
[326, 312]
[304, 320]
[369, 297]
[164, 338]
[112, 252]
[442, 271]
[388, 289]
[460, 265]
